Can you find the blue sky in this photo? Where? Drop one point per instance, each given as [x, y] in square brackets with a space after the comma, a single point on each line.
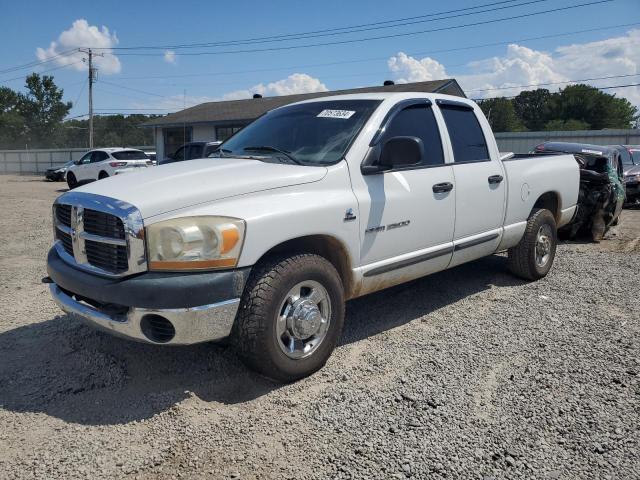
[168, 81]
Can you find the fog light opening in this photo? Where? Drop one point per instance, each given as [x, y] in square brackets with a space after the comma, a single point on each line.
[157, 328]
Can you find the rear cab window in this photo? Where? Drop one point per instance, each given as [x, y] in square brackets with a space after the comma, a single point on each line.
[467, 138]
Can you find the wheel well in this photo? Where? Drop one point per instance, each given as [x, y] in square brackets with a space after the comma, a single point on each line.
[103, 173]
[551, 202]
[325, 246]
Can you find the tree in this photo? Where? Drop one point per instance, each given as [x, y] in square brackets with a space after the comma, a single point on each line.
[42, 109]
[501, 115]
[566, 125]
[11, 122]
[533, 107]
[596, 108]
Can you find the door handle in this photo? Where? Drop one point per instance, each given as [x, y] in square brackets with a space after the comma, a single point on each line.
[493, 179]
[442, 187]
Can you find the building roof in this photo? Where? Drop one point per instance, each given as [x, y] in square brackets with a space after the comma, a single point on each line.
[251, 108]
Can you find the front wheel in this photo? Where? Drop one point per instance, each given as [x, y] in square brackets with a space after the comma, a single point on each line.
[533, 257]
[291, 316]
[71, 181]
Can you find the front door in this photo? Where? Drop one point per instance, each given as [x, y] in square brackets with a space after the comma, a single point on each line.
[407, 215]
[480, 185]
[81, 172]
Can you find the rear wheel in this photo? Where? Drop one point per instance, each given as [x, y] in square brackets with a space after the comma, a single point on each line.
[102, 175]
[291, 316]
[71, 181]
[533, 257]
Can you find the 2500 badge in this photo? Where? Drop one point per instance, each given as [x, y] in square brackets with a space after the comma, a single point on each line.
[391, 226]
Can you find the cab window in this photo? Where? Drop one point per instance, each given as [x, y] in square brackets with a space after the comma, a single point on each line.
[418, 121]
[467, 139]
[86, 158]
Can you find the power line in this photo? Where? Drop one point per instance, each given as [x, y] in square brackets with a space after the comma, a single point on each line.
[371, 59]
[37, 63]
[379, 37]
[554, 83]
[134, 89]
[84, 84]
[610, 87]
[6, 80]
[344, 30]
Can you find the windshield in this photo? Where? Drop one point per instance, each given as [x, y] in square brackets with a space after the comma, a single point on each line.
[310, 133]
[129, 155]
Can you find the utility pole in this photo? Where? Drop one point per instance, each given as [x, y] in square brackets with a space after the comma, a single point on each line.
[92, 78]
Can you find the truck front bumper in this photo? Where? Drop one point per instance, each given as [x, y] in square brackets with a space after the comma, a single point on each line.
[169, 309]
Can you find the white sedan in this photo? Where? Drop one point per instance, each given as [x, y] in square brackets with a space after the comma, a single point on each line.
[105, 162]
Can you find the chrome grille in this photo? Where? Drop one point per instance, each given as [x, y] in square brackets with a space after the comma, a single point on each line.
[63, 214]
[103, 224]
[112, 258]
[99, 234]
[65, 238]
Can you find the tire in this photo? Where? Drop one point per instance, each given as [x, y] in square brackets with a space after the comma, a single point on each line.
[71, 181]
[526, 259]
[258, 334]
[102, 175]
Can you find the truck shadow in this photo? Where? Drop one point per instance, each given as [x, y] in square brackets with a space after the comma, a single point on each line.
[67, 370]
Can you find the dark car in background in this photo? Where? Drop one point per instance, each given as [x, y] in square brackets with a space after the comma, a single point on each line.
[56, 174]
[631, 167]
[190, 151]
[602, 190]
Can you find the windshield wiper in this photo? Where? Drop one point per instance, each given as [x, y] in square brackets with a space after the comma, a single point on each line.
[268, 148]
[221, 152]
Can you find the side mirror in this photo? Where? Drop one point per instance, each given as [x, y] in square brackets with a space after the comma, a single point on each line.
[401, 152]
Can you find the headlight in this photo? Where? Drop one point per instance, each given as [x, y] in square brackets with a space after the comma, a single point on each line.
[195, 243]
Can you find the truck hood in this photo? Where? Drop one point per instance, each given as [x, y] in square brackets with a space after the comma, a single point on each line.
[157, 190]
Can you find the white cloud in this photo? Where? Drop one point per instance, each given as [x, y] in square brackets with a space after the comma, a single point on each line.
[170, 56]
[81, 34]
[408, 69]
[525, 66]
[295, 83]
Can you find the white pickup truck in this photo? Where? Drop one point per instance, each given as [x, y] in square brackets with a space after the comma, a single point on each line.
[312, 204]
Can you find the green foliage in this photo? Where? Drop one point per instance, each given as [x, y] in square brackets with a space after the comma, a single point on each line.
[42, 108]
[11, 120]
[595, 108]
[566, 125]
[36, 119]
[501, 114]
[108, 131]
[576, 107]
[533, 108]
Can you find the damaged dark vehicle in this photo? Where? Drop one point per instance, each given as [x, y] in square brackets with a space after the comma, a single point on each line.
[602, 189]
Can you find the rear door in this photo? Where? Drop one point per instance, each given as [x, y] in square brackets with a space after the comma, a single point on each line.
[480, 184]
[96, 166]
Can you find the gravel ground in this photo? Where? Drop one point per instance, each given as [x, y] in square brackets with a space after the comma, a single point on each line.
[469, 373]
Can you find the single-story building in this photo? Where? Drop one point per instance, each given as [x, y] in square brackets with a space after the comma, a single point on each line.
[219, 120]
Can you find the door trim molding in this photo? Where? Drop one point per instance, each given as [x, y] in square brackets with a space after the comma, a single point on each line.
[409, 261]
[476, 241]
